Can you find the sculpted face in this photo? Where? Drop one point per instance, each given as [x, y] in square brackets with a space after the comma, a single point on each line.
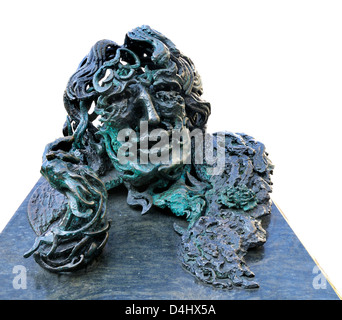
[138, 88]
[133, 93]
[147, 106]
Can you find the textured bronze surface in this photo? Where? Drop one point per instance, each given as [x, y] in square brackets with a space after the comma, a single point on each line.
[141, 261]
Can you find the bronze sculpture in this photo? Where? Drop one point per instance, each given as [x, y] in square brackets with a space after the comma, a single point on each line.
[152, 139]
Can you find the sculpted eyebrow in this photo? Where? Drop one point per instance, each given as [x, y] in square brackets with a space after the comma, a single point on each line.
[163, 85]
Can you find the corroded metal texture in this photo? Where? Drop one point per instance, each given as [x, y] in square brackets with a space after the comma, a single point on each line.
[136, 119]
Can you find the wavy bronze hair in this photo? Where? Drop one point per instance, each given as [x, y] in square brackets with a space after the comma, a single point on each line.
[154, 52]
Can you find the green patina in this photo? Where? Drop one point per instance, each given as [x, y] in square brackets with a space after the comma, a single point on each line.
[240, 197]
[148, 80]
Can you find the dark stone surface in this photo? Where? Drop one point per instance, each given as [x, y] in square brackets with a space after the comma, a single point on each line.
[140, 262]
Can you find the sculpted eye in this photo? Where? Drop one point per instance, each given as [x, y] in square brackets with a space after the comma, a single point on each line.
[166, 95]
[166, 100]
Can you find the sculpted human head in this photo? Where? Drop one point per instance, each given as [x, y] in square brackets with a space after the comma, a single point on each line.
[144, 85]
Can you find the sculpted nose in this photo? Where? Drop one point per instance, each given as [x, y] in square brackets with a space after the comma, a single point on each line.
[144, 102]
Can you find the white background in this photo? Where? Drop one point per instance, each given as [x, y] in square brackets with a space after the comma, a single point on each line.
[271, 69]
